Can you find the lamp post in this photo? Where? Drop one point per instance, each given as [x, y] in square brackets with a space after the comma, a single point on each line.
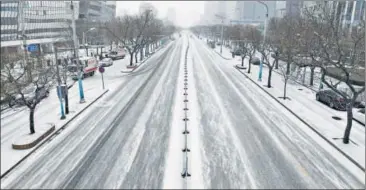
[76, 52]
[222, 29]
[59, 89]
[264, 40]
[85, 41]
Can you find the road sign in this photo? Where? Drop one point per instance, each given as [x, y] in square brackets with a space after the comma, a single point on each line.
[101, 69]
[32, 47]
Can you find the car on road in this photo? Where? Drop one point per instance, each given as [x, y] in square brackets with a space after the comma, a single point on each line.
[106, 62]
[236, 51]
[332, 99]
[256, 61]
[117, 54]
[30, 93]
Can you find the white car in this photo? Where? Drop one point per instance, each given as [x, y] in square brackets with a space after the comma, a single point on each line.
[106, 62]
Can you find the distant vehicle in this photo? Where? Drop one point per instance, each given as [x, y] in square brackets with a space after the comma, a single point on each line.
[212, 44]
[30, 93]
[117, 54]
[88, 67]
[106, 62]
[332, 99]
[256, 61]
[236, 51]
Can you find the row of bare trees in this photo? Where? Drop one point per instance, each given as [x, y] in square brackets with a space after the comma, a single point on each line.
[315, 39]
[138, 32]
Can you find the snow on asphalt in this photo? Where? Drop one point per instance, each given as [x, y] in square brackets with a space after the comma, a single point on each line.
[132, 138]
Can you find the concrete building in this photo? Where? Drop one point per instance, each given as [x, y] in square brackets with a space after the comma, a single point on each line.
[280, 9]
[293, 7]
[34, 22]
[253, 12]
[91, 14]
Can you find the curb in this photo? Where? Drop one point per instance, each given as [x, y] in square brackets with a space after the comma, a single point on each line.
[50, 136]
[222, 56]
[17, 146]
[143, 61]
[358, 121]
[307, 124]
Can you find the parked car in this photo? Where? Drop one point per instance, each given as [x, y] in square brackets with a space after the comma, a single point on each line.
[106, 62]
[332, 99]
[256, 61]
[30, 93]
[236, 51]
[117, 54]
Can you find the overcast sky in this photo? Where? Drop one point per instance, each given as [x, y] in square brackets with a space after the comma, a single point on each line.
[187, 12]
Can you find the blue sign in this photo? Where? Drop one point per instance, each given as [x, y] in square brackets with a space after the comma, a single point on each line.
[32, 47]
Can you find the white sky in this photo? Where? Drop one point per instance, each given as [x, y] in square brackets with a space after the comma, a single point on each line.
[188, 13]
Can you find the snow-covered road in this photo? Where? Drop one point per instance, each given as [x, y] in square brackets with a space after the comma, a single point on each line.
[242, 138]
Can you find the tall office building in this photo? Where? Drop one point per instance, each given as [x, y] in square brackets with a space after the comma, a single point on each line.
[293, 7]
[91, 14]
[249, 12]
[34, 22]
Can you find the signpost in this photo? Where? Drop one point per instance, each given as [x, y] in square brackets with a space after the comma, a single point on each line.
[32, 47]
[101, 70]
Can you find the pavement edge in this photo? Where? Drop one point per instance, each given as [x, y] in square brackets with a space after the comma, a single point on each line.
[57, 132]
[307, 124]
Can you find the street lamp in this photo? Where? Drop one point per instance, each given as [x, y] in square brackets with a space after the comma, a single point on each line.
[222, 29]
[84, 41]
[264, 40]
[76, 53]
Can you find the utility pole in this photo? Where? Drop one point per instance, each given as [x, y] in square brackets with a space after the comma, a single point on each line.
[264, 41]
[21, 20]
[76, 53]
[59, 90]
[222, 30]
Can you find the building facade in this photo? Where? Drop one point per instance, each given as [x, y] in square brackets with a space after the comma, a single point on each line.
[34, 22]
[251, 12]
[91, 14]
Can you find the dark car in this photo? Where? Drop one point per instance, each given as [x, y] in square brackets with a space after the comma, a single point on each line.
[237, 52]
[332, 99]
[256, 61]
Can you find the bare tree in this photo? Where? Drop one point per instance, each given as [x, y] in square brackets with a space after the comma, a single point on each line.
[29, 93]
[337, 53]
[286, 76]
[265, 50]
[254, 38]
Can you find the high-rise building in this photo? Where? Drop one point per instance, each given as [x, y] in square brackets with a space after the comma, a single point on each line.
[293, 7]
[34, 22]
[249, 12]
[144, 6]
[91, 14]
[280, 9]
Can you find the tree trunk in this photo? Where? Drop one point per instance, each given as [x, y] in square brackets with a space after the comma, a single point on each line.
[312, 76]
[288, 68]
[284, 89]
[347, 132]
[131, 59]
[249, 64]
[66, 101]
[242, 61]
[31, 121]
[141, 54]
[136, 56]
[276, 64]
[269, 77]
[303, 76]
